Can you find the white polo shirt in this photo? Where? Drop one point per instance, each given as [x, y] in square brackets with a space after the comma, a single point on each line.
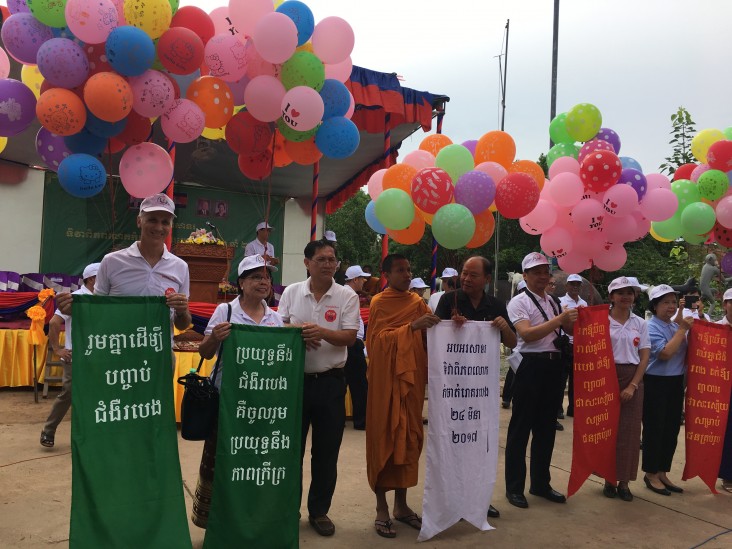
[434, 300]
[238, 316]
[67, 318]
[567, 302]
[338, 309]
[724, 321]
[628, 338]
[694, 313]
[361, 328]
[255, 247]
[522, 308]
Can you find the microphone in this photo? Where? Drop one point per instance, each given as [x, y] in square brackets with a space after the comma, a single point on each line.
[211, 225]
[215, 228]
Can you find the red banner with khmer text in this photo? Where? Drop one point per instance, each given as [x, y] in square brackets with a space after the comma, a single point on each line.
[596, 399]
[707, 399]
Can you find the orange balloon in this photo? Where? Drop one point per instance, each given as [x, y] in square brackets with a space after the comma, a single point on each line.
[61, 111]
[531, 168]
[303, 152]
[399, 176]
[495, 146]
[214, 98]
[108, 96]
[484, 227]
[281, 158]
[410, 235]
[424, 215]
[256, 167]
[434, 143]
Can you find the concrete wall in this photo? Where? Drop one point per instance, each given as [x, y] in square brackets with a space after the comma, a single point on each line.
[21, 217]
[296, 237]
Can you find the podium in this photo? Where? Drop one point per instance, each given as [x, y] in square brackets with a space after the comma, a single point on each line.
[208, 264]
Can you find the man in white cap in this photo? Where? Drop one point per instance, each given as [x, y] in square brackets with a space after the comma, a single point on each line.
[417, 286]
[727, 304]
[355, 368]
[449, 284]
[537, 389]
[261, 245]
[570, 300]
[330, 236]
[63, 401]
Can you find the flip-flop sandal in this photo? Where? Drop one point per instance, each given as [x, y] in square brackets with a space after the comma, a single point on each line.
[47, 440]
[412, 520]
[727, 486]
[380, 525]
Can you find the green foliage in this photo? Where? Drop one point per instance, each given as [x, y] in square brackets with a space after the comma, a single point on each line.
[682, 132]
[543, 163]
[357, 243]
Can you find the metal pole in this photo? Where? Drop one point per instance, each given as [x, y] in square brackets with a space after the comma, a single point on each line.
[555, 57]
[386, 162]
[503, 123]
[314, 203]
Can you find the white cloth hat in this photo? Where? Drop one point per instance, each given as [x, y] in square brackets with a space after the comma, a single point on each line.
[355, 271]
[251, 262]
[623, 282]
[661, 290]
[727, 295]
[417, 283]
[449, 272]
[574, 278]
[91, 270]
[263, 225]
[534, 259]
[521, 285]
[158, 203]
[329, 235]
[643, 287]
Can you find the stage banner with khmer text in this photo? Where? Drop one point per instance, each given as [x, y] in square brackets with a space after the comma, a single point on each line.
[462, 446]
[707, 399]
[596, 399]
[126, 488]
[256, 490]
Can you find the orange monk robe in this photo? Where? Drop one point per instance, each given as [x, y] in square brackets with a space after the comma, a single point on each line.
[397, 374]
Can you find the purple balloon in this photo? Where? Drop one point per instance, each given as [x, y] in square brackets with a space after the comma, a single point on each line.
[726, 263]
[475, 190]
[18, 6]
[63, 63]
[606, 134]
[635, 179]
[470, 145]
[51, 148]
[22, 35]
[17, 107]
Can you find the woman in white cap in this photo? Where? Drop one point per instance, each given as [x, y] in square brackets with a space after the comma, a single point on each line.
[631, 351]
[725, 468]
[255, 283]
[418, 287]
[663, 397]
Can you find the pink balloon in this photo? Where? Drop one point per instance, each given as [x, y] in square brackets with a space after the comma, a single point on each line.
[619, 230]
[91, 21]
[657, 181]
[222, 21]
[275, 37]
[556, 242]
[225, 56]
[620, 200]
[183, 122]
[588, 214]
[724, 212]
[565, 189]
[375, 184]
[643, 225]
[333, 40]
[119, 5]
[339, 71]
[700, 169]
[153, 93]
[302, 108]
[659, 204]
[540, 219]
[4, 64]
[494, 169]
[584, 243]
[263, 98]
[245, 14]
[592, 146]
[564, 164]
[145, 169]
[574, 262]
[255, 65]
[610, 257]
[419, 159]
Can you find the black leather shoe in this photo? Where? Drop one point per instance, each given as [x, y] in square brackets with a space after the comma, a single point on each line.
[662, 491]
[517, 500]
[673, 488]
[570, 413]
[559, 427]
[506, 404]
[493, 512]
[609, 490]
[624, 494]
[550, 494]
[560, 414]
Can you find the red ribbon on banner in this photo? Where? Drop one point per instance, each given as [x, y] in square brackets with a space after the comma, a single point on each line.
[596, 399]
[707, 399]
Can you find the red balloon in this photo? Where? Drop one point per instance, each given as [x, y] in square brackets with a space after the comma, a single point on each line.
[684, 171]
[248, 136]
[600, 170]
[114, 146]
[137, 130]
[516, 195]
[195, 19]
[723, 235]
[180, 50]
[432, 188]
[256, 167]
[592, 146]
[719, 156]
[96, 54]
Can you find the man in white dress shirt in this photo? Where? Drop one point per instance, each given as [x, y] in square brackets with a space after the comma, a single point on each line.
[570, 300]
[261, 245]
[727, 305]
[449, 283]
[355, 367]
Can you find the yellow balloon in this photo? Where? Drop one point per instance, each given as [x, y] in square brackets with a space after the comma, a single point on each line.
[278, 3]
[307, 46]
[654, 234]
[3, 143]
[32, 77]
[703, 140]
[151, 16]
[214, 133]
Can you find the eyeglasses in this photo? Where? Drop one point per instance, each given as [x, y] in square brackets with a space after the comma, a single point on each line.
[552, 284]
[258, 278]
[321, 261]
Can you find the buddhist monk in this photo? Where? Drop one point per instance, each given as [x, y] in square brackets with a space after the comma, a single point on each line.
[397, 374]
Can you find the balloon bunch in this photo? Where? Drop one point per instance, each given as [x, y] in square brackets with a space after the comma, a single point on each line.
[98, 73]
[455, 188]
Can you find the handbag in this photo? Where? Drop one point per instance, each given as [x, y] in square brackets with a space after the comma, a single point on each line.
[199, 408]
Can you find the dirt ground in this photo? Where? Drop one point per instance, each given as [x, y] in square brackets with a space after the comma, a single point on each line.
[35, 498]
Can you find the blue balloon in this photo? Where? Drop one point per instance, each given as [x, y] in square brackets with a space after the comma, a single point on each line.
[336, 98]
[628, 162]
[130, 51]
[86, 142]
[337, 137]
[371, 219]
[81, 175]
[102, 128]
[301, 16]
[64, 32]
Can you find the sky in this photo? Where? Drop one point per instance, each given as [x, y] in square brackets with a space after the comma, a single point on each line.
[636, 60]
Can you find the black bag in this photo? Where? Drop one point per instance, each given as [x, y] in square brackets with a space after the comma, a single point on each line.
[561, 342]
[200, 406]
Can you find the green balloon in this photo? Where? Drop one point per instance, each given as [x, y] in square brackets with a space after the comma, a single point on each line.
[174, 5]
[727, 133]
[49, 12]
[686, 191]
[453, 226]
[561, 149]
[669, 229]
[713, 184]
[583, 122]
[394, 209]
[294, 135]
[455, 160]
[695, 238]
[558, 130]
[698, 218]
[303, 69]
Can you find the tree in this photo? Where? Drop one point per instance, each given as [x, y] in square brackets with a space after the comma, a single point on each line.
[682, 130]
[357, 243]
